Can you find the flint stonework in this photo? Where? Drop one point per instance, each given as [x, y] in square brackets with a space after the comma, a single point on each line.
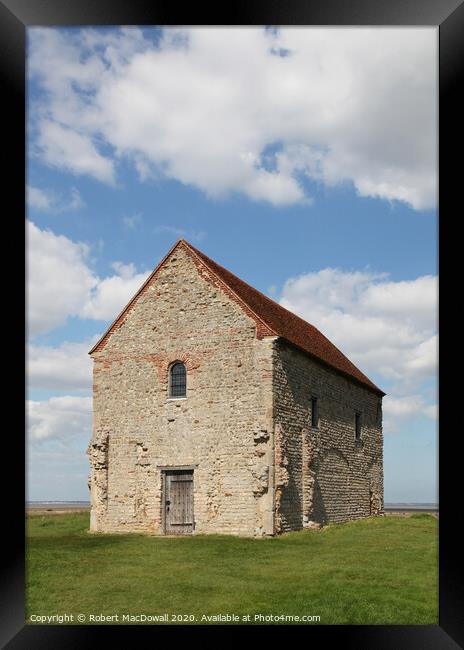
[244, 427]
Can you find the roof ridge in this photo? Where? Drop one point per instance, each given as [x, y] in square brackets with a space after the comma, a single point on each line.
[360, 376]
[236, 276]
[274, 302]
[292, 313]
[272, 318]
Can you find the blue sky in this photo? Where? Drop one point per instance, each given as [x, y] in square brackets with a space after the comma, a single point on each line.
[310, 175]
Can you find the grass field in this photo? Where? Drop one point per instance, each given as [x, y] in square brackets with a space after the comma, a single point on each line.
[375, 571]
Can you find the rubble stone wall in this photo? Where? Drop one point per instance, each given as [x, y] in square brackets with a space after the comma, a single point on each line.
[223, 429]
[323, 474]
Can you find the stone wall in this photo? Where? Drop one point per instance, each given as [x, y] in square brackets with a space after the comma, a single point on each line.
[322, 474]
[244, 427]
[223, 428]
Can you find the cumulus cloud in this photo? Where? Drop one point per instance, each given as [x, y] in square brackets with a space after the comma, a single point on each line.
[60, 418]
[58, 279]
[66, 367]
[253, 110]
[408, 407]
[49, 201]
[113, 293]
[61, 283]
[431, 411]
[130, 221]
[39, 199]
[65, 148]
[403, 407]
[386, 328]
[183, 233]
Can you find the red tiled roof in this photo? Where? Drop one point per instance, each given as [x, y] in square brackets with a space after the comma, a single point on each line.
[276, 319]
[288, 325]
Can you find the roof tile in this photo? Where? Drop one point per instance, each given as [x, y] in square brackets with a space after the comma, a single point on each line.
[288, 325]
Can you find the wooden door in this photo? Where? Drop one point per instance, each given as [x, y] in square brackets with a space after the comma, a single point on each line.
[178, 502]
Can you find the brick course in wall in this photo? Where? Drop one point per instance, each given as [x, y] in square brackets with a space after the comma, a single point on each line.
[222, 429]
[243, 428]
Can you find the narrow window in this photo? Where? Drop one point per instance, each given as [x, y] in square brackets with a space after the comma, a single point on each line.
[357, 426]
[314, 413]
[177, 380]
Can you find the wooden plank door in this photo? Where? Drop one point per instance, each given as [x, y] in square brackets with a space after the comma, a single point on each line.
[178, 502]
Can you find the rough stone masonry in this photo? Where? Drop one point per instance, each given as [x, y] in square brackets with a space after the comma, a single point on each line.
[244, 435]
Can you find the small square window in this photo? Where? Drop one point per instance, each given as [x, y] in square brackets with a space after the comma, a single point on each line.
[314, 413]
[357, 427]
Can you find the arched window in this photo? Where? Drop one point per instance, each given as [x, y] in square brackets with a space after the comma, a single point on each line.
[177, 380]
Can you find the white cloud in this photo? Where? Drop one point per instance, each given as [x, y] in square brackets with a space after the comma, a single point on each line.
[408, 407]
[398, 299]
[49, 201]
[403, 407]
[132, 220]
[386, 328]
[216, 108]
[61, 418]
[63, 368]
[113, 293]
[58, 279]
[431, 411]
[39, 199]
[75, 201]
[65, 148]
[60, 283]
[183, 233]
[422, 360]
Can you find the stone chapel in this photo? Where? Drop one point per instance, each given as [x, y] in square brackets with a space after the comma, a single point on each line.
[216, 410]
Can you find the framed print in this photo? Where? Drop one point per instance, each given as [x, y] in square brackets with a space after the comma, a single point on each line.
[232, 305]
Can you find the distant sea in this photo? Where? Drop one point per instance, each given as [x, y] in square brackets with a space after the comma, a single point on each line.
[410, 506]
[40, 504]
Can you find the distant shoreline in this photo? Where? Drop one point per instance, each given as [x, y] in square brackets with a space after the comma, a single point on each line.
[33, 504]
[390, 508]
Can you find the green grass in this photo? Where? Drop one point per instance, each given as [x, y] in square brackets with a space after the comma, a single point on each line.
[374, 571]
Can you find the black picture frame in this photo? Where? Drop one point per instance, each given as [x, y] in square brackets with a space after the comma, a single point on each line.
[448, 16]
